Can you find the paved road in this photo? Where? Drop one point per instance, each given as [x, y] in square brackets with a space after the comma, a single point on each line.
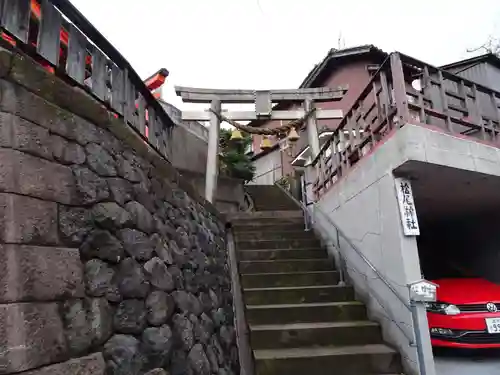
[467, 363]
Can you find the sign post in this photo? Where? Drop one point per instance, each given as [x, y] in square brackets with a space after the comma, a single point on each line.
[421, 291]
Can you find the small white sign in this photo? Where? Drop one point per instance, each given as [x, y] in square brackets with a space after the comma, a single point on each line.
[407, 209]
[423, 291]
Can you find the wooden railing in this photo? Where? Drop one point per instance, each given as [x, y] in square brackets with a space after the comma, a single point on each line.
[405, 90]
[60, 38]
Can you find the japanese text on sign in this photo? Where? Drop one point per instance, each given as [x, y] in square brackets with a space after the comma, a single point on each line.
[407, 207]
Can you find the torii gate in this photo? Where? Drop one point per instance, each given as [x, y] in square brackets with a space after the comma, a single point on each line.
[263, 100]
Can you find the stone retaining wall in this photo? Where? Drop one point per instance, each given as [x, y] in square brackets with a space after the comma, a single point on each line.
[109, 261]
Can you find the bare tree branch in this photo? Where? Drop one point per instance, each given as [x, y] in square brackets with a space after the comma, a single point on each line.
[492, 45]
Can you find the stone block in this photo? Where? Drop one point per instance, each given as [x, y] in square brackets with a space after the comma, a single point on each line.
[74, 224]
[19, 101]
[103, 245]
[77, 329]
[33, 273]
[130, 316]
[142, 218]
[123, 356]
[25, 136]
[31, 336]
[136, 243]
[90, 365]
[100, 161]
[121, 190]
[67, 152]
[29, 175]
[110, 215]
[89, 187]
[132, 281]
[29, 74]
[100, 318]
[27, 220]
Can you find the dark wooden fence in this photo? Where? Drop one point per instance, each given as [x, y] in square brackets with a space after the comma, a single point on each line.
[57, 35]
[405, 90]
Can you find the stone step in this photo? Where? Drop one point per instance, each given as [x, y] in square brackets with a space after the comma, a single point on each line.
[270, 227]
[299, 335]
[345, 360]
[269, 216]
[272, 254]
[304, 294]
[306, 313]
[267, 280]
[270, 198]
[274, 235]
[257, 244]
[286, 265]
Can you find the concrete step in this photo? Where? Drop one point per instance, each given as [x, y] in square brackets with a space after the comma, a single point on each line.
[294, 295]
[270, 197]
[267, 280]
[271, 254]
[274, 235]
[315, 334]
[286, 265]
[306, 313]
[267, 216]
[268, 227]
[346, 360]
[257, 244]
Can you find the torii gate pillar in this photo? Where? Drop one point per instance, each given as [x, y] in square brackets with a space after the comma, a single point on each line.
[212, 172]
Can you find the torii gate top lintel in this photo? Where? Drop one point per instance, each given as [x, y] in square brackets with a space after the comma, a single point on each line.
[201, 95]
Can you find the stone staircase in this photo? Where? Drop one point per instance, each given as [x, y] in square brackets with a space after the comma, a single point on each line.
[270, 198]
[300, 321]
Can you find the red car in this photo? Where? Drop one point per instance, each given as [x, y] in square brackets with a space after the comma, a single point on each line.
[467, 314]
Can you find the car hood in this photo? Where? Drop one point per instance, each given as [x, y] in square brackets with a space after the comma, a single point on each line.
[467, 291]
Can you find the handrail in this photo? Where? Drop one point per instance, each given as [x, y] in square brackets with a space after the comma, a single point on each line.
[362, 256]
[365, 259]
[91, 62]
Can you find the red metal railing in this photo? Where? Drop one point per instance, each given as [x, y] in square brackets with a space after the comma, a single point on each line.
[60, 38]
[405, 90]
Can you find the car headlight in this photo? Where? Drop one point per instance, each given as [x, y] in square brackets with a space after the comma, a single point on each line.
[442, 308]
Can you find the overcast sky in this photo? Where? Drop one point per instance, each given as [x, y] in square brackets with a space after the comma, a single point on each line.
[275, 43]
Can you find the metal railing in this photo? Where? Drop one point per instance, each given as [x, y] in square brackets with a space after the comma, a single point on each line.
[405, 90]
[344, 247]
[60, 38]
[335, 239]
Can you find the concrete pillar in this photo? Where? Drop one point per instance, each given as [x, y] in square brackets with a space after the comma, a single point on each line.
[213, 152]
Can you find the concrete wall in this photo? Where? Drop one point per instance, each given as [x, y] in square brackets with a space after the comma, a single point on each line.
[194, 127]
[268, 168]
[189, 146]
[364, 206]
[110, 262]
[230, 195]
